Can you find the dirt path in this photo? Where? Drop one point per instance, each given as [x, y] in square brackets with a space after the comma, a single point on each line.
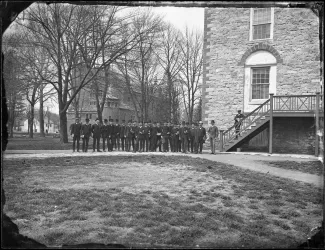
[247, 161]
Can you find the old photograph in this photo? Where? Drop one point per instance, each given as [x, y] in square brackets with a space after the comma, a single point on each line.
[160, 124]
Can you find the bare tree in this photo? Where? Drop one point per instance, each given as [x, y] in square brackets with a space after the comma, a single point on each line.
[191, 69]
[70, 36]
[140, 67]
[169, 59]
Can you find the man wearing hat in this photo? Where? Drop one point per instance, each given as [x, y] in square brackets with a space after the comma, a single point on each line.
[117, 135]
[111, 129]
[146, 134]
[141, 132]
[202, 136]
[174, 138]
[213, 135]
[191, 136]
[159, 140]
[75, 130]
[122, 134]
[238, 121]
[183, 133]
[153, 134]
[180, 138]
[128, 134]
[95, 130]
[196, 138]
[85, 134]
[104, 132]
[164, 137]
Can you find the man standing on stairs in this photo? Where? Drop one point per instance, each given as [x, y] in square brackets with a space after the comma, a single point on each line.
[238, 122]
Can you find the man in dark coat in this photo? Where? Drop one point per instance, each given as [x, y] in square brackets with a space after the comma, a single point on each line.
[146, 135]
[104, 132]
[183, 133]
[75, 130]
[153, 134]
[141, 132]
[159, 140]
[95, 130]
[135, 141]
[196, 137]
[128, 134]
[117, 135]
[202, 136]
[179, 138]
[110, 135]
[188, 137]
[191, 136]
[164, 136]
[170, 143]
[122, 134]
[149, 134]
[85, 134]
[238, 120]
[174, 138]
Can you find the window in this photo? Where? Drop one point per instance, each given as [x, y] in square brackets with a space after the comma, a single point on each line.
[260, 79]
[261, 23]
[260, 83]
[92, 103]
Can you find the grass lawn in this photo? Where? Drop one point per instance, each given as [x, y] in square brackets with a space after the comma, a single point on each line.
[38, 143]
[311, 167]
[44, 143]
[147, 201]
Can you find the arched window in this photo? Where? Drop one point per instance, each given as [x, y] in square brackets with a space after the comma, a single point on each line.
[260, 78]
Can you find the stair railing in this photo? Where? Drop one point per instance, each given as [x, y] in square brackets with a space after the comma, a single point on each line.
[246, 123]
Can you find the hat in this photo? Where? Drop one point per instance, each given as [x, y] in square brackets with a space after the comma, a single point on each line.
[239, 110]
[110, 120]
[97, 119]
[105, 120]
[87, 120]
[212, 121]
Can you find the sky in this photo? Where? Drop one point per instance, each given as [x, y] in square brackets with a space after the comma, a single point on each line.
[181, 16]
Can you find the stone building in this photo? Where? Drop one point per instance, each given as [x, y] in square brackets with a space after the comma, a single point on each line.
[252, 53]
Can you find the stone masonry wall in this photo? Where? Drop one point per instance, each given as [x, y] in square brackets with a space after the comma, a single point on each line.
[295, 44]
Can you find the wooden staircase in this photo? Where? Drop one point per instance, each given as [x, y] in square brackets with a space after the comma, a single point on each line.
[251, 125]
[260, 118]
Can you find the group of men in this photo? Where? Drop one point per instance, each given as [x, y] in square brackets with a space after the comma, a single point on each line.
[138, 137]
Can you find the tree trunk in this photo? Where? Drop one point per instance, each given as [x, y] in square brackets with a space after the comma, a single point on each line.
[100, 115]
[63, 127]
[41, 113]
[31, 122]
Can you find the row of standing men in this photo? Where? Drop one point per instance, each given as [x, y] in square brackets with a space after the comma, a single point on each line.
[145, 137]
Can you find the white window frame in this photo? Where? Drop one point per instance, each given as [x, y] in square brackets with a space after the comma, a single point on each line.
[251, 81]
[259, 61]
[251, 26]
